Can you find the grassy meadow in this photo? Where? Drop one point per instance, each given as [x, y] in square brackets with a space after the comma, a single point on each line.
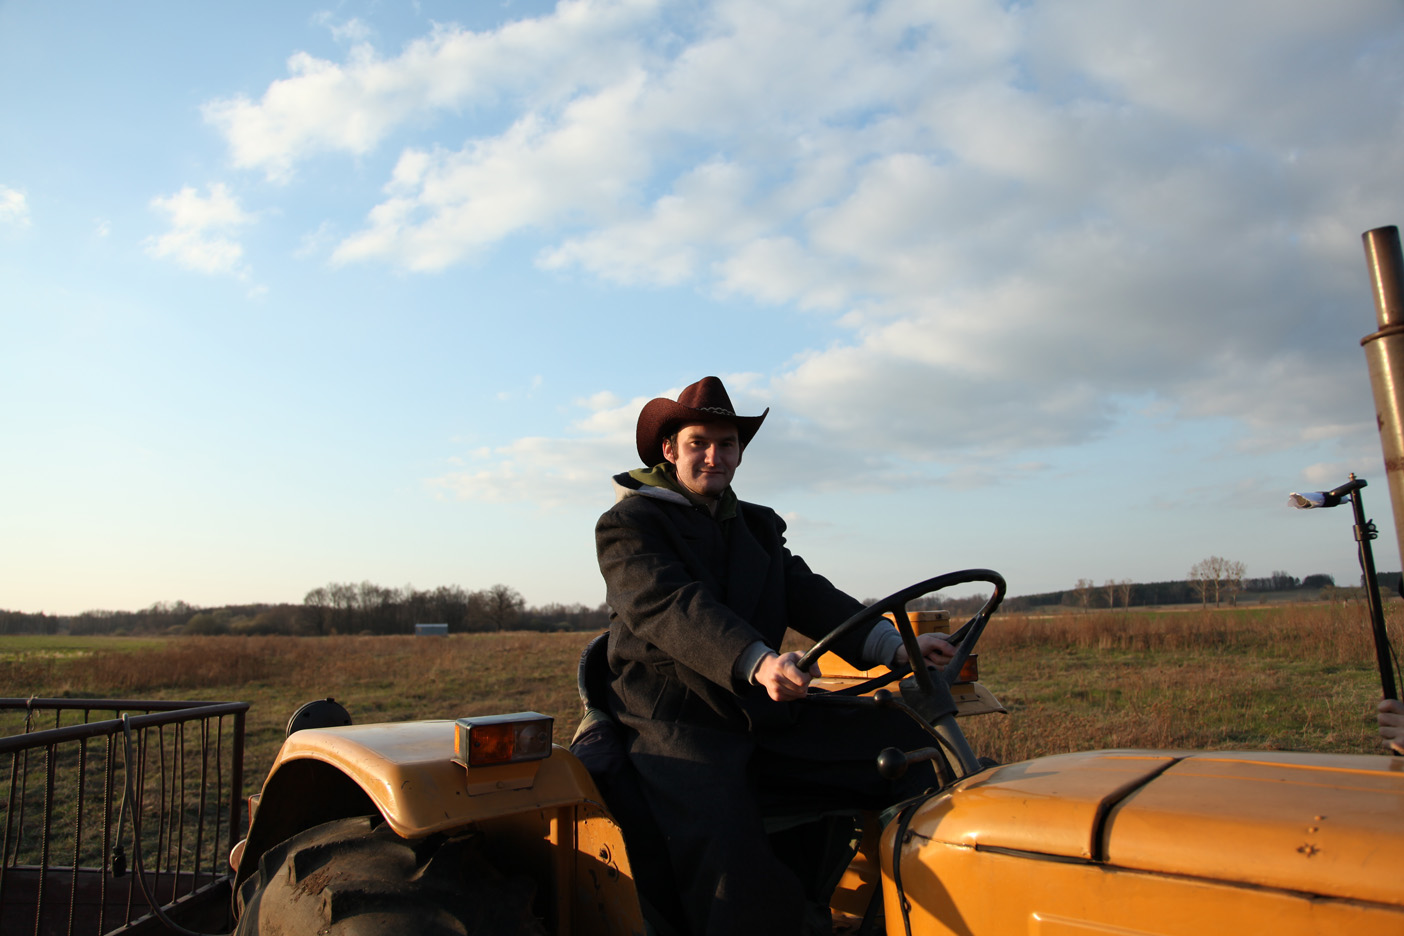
[1297, 677]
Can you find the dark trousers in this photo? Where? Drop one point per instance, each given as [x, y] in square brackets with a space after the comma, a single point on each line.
[710, 790]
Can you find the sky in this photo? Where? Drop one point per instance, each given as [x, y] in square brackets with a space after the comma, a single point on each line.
[298, 293]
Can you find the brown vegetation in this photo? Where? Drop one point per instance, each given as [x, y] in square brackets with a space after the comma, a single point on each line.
[1299, 677]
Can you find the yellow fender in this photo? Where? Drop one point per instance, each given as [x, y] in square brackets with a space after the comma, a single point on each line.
[543, 817]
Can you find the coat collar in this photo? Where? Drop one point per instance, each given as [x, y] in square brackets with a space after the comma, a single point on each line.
[661, 482]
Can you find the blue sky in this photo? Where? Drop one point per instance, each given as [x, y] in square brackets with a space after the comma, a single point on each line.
[298, 293]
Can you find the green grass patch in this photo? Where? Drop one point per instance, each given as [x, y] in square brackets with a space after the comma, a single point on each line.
[18, 647]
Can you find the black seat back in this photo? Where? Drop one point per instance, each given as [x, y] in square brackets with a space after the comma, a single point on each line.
[593, 676]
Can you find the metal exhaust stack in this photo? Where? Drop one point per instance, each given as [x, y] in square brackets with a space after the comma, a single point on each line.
[1384, 351]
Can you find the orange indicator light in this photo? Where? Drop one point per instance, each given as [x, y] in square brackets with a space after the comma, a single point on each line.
[503, 739]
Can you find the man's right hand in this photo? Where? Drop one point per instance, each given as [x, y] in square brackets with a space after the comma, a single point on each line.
[782, 679]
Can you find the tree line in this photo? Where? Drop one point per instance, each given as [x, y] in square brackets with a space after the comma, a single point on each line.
[335, 608]
[1214, 580]
[367, 608]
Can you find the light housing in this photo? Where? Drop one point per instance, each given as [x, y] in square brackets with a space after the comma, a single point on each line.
[503, 739]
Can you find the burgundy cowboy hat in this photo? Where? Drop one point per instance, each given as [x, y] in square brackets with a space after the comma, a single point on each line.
[704, 401]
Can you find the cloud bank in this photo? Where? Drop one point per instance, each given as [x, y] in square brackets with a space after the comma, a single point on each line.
[1028, 219]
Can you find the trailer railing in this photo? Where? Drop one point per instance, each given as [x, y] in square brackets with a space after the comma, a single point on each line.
[68, 848]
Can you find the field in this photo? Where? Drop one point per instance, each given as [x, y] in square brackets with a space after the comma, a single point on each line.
[1297, 677]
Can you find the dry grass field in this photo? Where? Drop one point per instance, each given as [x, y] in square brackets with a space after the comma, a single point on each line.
[1290, 677]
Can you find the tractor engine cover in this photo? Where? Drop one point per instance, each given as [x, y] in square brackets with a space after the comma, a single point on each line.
[1155, 842]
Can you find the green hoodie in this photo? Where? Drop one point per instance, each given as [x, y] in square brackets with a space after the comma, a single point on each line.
[663, 475]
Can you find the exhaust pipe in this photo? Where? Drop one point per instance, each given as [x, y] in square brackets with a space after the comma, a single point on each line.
[1384, 351]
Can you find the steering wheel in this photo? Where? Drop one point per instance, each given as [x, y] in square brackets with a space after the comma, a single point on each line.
[927, 700]
[964, 639]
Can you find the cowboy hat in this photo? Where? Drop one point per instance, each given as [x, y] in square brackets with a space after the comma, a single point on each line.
[704, 401]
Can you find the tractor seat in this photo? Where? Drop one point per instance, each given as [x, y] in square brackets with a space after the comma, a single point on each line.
[593, 676]
[599, 740]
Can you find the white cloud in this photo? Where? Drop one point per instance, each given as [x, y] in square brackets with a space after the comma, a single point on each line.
[442, 205]
[14, 207]
[199, 238]
[552, 472]
[325, 106]
[1023, 215]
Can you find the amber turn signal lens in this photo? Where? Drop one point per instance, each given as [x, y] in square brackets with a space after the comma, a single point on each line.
[503, 739]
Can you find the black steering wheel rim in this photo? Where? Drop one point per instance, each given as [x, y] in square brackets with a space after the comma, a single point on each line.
[964, 639]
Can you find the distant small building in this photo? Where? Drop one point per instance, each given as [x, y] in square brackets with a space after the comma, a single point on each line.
[431, 630]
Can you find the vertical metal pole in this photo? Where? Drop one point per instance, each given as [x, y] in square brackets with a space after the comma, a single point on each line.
[236, 781]
[1384, 351]
[1364, 532]
[78, 832]
[45, 833]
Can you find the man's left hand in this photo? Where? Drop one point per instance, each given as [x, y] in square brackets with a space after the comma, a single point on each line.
[1391, 718]
[935, 650]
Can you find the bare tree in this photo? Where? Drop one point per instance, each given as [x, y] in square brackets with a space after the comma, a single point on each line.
[1109, 590]
[318, 610]
[1233, 579]
[1217, 576]
[1126, 587]
[1201, 581]
[502, 607]
[1083, 591]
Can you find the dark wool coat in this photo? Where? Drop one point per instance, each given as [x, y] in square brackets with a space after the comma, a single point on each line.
[688, 594]
[712, 753]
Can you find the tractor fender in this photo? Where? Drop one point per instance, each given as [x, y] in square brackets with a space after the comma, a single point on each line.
[407, 773]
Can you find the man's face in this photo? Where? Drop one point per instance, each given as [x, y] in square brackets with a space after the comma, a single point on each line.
[706, 456]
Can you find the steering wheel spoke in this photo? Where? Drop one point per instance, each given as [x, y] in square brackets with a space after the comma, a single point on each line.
[909, 640]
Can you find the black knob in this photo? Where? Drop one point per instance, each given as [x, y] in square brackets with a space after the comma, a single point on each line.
[891, 763]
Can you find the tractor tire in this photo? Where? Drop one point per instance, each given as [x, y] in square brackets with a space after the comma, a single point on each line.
[356, 877]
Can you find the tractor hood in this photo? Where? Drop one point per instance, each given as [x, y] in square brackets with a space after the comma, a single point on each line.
[1329, 825]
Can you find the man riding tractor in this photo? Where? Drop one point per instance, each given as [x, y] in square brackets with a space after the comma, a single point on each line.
[702, 588]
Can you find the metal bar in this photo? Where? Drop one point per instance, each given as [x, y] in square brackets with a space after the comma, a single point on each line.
[175, 838]
[1364, 533]
[219, 786]
[162, 812]
[96, 729]
[47, 828]
[1384, 352]
[179, 777]
[136, 790]
[204, 787]
[77, 835]
[9, 823]
[236, 779]
[148, 705]
[110, 773]
[24, 788]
